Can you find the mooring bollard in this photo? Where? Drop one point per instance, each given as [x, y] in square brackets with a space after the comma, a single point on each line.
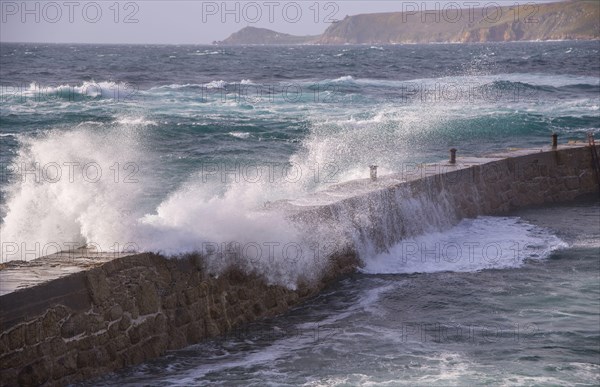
[373, 172]
[453, 156]
[554, 141]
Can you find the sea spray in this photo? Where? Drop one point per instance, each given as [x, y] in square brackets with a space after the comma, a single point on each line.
[85, 186]
[371, 222]
[240, 223]
[71, 188]
[228, 220]
[232, 229]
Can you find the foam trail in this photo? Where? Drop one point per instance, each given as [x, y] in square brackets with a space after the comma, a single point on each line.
[91, 89]
[474, 244]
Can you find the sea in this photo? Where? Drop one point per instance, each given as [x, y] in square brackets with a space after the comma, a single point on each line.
[178, 149]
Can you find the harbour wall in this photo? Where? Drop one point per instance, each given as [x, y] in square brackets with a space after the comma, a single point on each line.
[132, 308]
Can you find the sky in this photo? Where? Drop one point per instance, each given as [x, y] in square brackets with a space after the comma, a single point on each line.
[189, 22]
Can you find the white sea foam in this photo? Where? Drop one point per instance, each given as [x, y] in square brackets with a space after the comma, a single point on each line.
[345, 78]
[216, 84]
[205, 52]
[193, 217]
[91, 89]
[242, 135]
[210, 85]
[473, 245]
[135, 121]
[175, 86]
[534, 79]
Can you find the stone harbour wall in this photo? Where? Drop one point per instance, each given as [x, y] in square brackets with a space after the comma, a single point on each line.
[129, 310]
[439, 195]
[135, 308]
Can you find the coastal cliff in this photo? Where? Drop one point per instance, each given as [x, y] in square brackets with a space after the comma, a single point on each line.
[567, 20]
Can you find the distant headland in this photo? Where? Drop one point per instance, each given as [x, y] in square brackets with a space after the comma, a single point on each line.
[566, 20]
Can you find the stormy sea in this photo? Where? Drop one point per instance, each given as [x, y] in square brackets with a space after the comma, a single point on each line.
[177, 149]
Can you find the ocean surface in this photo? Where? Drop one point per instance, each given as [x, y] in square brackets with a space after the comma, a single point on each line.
[178, 148]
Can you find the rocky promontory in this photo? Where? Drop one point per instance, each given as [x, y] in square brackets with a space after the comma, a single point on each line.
[566, 20]
[254, 35]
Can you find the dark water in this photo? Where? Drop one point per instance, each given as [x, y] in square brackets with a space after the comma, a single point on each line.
[190, 140]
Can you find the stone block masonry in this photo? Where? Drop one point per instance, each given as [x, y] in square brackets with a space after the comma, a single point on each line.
[129, 310]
